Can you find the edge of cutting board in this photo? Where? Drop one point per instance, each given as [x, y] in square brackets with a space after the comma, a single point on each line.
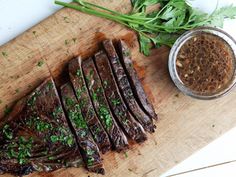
[185, 124]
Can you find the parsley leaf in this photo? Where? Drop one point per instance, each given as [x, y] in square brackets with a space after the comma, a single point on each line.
[144, 44]
[218, 16]
[40, 63]
[140, 5]
[165, 38]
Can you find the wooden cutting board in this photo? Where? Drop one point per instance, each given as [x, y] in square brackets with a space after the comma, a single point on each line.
[185, 124]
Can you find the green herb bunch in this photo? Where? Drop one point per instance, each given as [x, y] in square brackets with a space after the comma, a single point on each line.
[161, 26]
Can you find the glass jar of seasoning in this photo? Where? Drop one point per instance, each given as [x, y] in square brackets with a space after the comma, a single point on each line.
[202, 63]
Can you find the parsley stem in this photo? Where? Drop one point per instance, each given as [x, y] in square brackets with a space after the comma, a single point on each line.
[109, 16]
[90, 5]
[121, 18]
[91, 11]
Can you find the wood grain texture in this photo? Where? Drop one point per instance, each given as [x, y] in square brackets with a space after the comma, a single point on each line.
[185, 124]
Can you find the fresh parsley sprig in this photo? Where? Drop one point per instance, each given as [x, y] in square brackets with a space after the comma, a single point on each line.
[158, 27]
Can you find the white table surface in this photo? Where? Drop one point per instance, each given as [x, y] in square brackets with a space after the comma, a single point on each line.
[16, 16]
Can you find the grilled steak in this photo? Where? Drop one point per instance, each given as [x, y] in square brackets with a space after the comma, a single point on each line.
[89, 149]
[99, 134]
[126, 89]
[125, 58]
[36, 136]
[117, 105]
[101, 106]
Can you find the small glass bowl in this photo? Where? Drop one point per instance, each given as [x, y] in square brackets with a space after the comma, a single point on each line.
[173, 56]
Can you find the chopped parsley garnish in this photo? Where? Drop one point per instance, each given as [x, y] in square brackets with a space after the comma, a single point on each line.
[7, 131]
[126, 155]
[11, 153]
[126, 53]
[90, 161]
[63, 138]
[21, 149]
[0, 101]
[99, 90]
[25, 147]
[54, 138]
[4, 54]
[69, 102]
[105, 83]
[38, 124]
[49, 85]
[76, 117]
[130, 93]
[97, 130]
[67, 42]
[34, 32]
[51, 158]
[78, 73]
[82, 102]
[176, 95]
[69, 140]
[58, 110]
[91, 72]
[66, 19]
[104, 114]
[31, 101]
[33, 98]
[115, 102]
[40, 63]
[42, 126]
[84, 88]
[87, 79]
[29, 122]
[83, 133]
[90, 112]
[7, 110]
[120, 113]
[78, 92]
[17, 90]
[74, 40]
[125, 121]
[90, 152]
[94, 96]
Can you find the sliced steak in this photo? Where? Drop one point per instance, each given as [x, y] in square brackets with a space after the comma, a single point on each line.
[99, 134]
[126, 89]
[132, 128]
[35, 136]
[125, 58]
[88, 147]
[101, 106]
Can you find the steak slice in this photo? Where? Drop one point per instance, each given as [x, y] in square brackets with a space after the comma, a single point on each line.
[125, 58]
[132, 128]
[89, 149]
[35, 136]
[99, 134]
[101, 106]
[125, 88]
